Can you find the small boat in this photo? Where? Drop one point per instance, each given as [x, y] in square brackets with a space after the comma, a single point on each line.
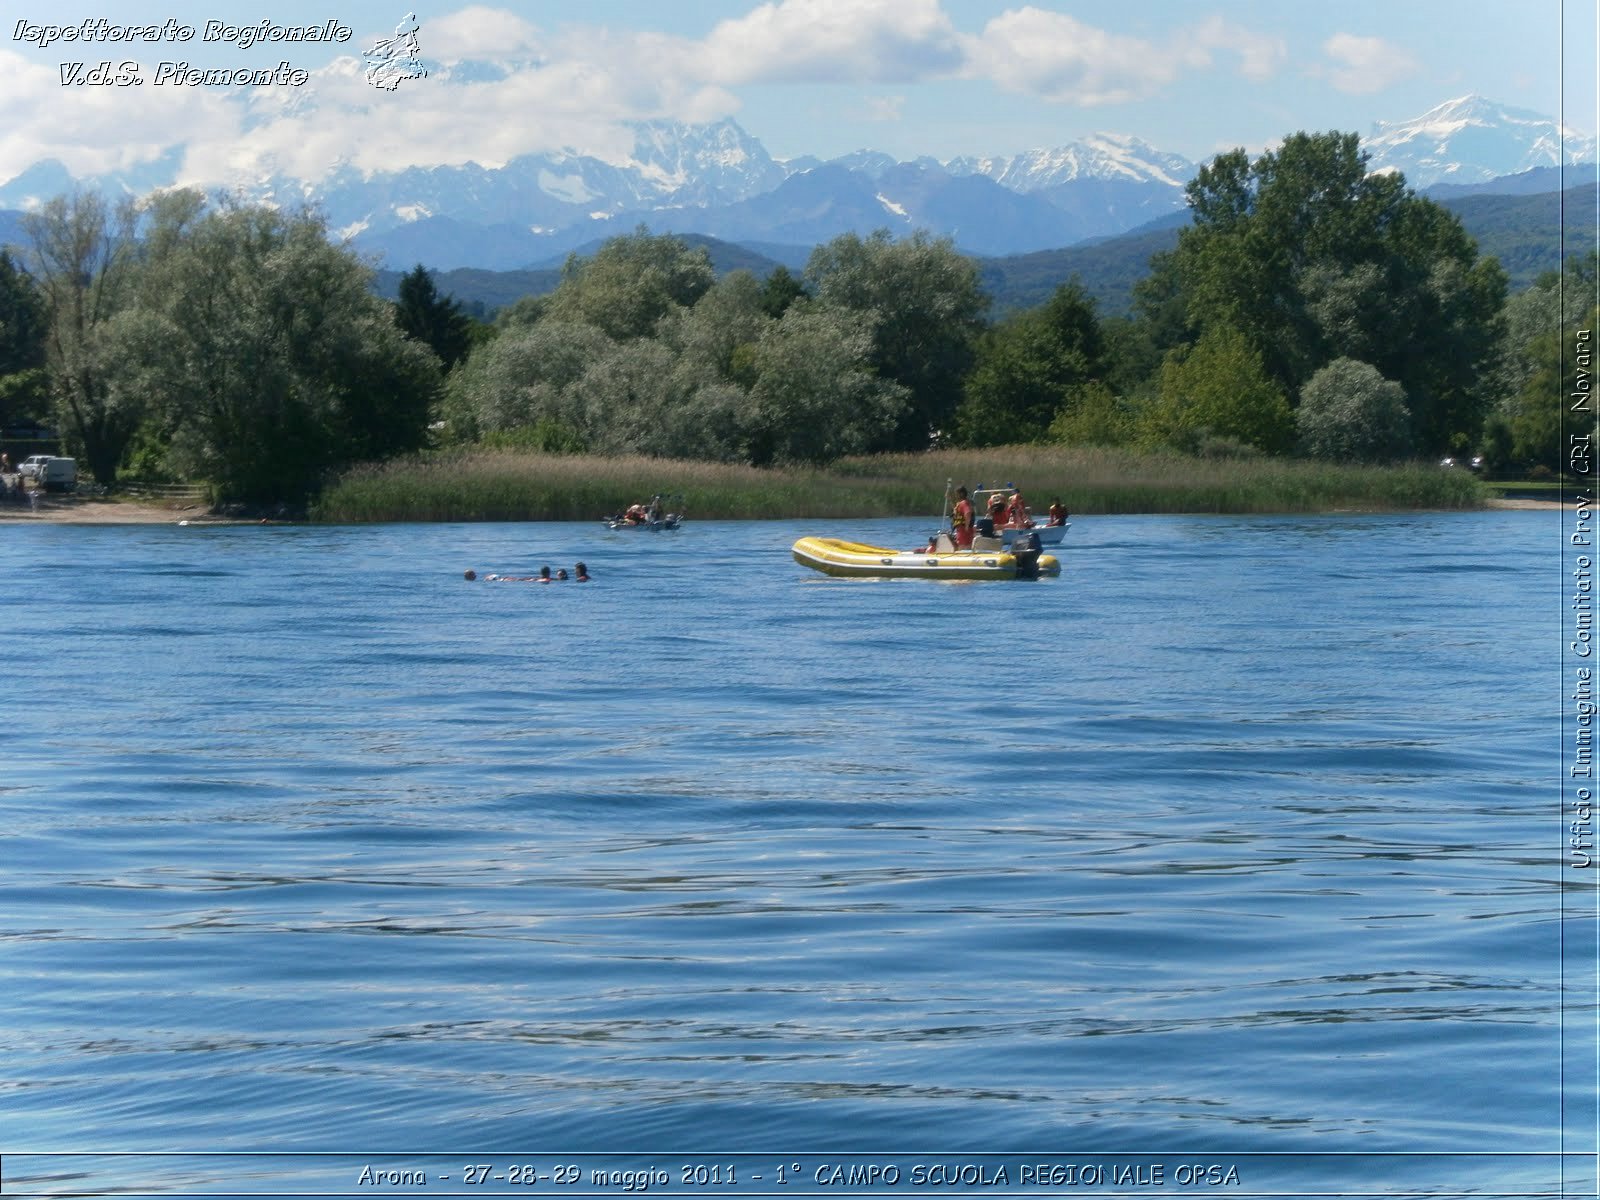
[833, 556]
[1049, 535]
[652, 516]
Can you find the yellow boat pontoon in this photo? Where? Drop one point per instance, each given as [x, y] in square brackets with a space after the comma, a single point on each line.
[832, 556]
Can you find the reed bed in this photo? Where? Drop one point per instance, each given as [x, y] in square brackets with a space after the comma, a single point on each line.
[505, 485]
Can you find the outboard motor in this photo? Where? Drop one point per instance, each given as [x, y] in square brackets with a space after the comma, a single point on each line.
[1026, 549]
[984, 526]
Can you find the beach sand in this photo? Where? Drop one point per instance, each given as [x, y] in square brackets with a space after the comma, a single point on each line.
[98, 510]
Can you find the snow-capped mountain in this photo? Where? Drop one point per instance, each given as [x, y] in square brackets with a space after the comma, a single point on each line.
[1105, 156]
[717, 179]
[1471, 139]
[670, 166]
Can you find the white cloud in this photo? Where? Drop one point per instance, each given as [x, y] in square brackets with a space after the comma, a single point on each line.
[884, 108]
[478, 32]
[1057, 57]
[1259, 55]
[838, 41]
[96, 130]
[1362, 65]
[420, 123]
[499, 86]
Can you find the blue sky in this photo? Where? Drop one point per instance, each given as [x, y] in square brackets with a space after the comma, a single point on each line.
[823, 77]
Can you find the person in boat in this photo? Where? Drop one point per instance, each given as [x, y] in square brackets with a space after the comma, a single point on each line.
[580, 573]
[962, 520]
[997, 510]
[1017, 513]
[1058, 513]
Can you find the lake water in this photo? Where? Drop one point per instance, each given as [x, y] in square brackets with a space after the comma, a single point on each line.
[1241, 839]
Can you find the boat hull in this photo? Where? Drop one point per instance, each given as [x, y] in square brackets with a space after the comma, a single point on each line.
[844, 559]
[1049, 535]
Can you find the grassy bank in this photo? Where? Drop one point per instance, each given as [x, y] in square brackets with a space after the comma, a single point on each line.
[477, 485]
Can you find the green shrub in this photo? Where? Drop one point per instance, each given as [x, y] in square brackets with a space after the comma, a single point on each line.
[1350, 413]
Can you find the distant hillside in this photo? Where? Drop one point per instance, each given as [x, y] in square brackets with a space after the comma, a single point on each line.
[1524, 232]
[1107, 268]
[482, 292]
[1519, 230]
[725, 256]
[11, 228]
[1525, 183]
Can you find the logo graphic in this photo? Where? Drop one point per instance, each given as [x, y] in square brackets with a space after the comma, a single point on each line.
[392, 59]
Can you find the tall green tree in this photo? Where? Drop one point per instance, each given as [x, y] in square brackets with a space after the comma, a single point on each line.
[24, 330]
[1539, 421]
[269, 355]
[923, 305]
[521, 380]
[815, 396]
[630, 284]
[779, 291]
[436, 321]
[1029, 368]
[1220, 388]
[714, 338]
[1096, 417]
[82, 251]
[24, 319]
[1311, 257]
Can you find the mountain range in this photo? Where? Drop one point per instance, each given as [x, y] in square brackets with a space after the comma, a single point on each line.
[719, 181]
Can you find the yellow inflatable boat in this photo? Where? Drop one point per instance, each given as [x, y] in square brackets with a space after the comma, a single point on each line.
[832, 556]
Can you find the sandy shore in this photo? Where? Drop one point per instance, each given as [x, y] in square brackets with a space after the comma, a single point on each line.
[1520, 503]
[91, 510]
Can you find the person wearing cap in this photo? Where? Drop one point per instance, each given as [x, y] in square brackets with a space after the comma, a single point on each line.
[997, 510]
[961, 520]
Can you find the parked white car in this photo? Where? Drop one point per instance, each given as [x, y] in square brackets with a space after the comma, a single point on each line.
[58, 474]
[30, 466]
